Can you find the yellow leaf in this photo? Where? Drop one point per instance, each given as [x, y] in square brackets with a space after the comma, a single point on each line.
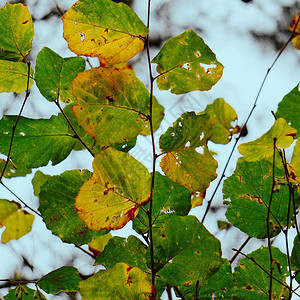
[112, 196]
[16, 221]
[105, 29]
[263, 146]
[98, 244]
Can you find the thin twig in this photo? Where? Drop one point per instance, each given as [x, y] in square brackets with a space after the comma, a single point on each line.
[16, 123]
[268, 221]
[73, 129]
[154, 155]
[247, 120]
[240, 249]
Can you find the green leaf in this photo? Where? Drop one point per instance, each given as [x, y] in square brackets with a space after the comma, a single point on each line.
[65, 279]
[14, 76]
[182, 163]
[104, 29]
[119, 282]
[222, 115]
[113, 105]
[185, 252]
[21, 293]
[295, 258]
[218, 286]
[169, 199]
[36, 142]
[253, 283]
[16, 32]
[17, 221]
[130, 251]
[12, 170]
[57, 206]
[38, 180]
[112, 196]
[289, 108]
[55, 74]
[185, 63]
[249, 190]
[263, 147]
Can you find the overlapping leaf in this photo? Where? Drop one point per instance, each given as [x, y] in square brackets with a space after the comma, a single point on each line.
[130, 251]
[169, 199]
[57, 206]
[182, 163]
[113, 105]
[122, 280]
[36, 142]
[186, 63]
[14, 76]
[55, 74]
[105, 29]
[251, 282]
[249, 190]
[112, 196]
[222, 115]
[17, 222]
[263, 147]
[289, 108]
[16, 32]
[64, 279]
[184, 239]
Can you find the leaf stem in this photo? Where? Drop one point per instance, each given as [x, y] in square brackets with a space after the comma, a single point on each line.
[72, 127]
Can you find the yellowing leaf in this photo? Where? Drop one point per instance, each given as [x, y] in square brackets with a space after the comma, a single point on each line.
[182, 163]
[16, 32]
[295, 28]
[14, 76]
[222, 115]
[17, 222]
[112, 196]
[294, 167]
[103, 28]
[98, 243]
[186, 63]
[113, 105]
[119, 282]
[263, 146]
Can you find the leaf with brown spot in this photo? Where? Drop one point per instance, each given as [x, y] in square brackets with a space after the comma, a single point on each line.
[112, 196]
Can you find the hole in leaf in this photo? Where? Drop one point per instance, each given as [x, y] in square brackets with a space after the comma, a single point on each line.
[198, 54]
[82, 36]
[208, 68]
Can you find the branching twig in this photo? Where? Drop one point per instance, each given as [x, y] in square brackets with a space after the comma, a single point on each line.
[247, 120]
[153, 152]
[255, 262]
[240, 249]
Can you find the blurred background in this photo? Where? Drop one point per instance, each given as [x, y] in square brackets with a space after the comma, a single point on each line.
[245, 35]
